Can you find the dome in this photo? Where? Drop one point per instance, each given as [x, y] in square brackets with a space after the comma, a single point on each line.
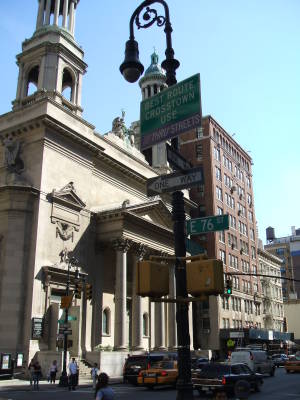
[154, 67]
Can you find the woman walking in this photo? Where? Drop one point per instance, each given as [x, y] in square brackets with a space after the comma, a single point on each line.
[103, 391]
[53, 371]
[37, 373]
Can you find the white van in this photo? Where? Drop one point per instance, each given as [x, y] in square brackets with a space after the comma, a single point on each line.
[257, 360]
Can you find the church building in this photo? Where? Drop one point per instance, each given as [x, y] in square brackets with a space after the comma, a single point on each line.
[74, 212]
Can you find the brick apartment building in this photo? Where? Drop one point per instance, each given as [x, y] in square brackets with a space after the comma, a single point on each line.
[227, 189]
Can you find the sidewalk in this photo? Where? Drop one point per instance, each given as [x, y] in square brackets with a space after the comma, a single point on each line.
[24, 385]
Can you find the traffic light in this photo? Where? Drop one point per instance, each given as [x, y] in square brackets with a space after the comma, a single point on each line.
[78, 290]
[152, 279]
[228, 290]
[88, 291]
[204, 276]
[66, 301]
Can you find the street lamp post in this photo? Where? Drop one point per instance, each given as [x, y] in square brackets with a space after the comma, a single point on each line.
[71, 262]
[131, 69]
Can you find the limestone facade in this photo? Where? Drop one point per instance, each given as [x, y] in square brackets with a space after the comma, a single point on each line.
[67, 190]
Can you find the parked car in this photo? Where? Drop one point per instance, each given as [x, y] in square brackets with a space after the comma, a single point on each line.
[222, 376]
[197, 363]
[134, 364]
[257, 360]
[279, 359]
[293, 365]
[161, 373]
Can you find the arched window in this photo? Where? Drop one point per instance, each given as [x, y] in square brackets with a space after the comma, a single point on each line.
[67, 85]
[32, 81]
[145, 324]
[106, 321]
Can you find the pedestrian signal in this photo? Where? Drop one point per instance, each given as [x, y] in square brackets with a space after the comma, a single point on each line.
[78, 290]
[204, 276]
[228, 290]
[89, 291]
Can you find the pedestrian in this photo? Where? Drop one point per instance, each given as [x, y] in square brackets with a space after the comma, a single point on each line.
[53, 371]
[30, 370]
[94, 375]
[73, 373]
[37, 373]
[103, 391]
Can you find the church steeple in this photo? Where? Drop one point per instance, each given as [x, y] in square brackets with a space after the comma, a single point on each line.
[154, 79]
[153, 82]
[51, 63]
[58, 8]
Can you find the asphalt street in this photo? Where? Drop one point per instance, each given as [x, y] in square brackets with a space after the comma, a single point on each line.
[282, 387]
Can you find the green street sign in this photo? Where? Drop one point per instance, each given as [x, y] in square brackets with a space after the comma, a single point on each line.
[193, 247]
[70, 318]
[171, 112]
[207, 224]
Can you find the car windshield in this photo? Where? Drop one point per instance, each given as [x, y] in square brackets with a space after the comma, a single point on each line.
[214, 370]
[163, 365]
[136, 361]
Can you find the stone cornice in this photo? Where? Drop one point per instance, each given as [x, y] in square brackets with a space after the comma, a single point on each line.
[269, 256]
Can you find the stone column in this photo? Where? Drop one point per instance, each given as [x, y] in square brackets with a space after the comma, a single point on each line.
[56, 12]
[151, 90]
[40, 16]
[172, 338]
[160, 332]
[121, 246]
[48, 12]
[65, 13]
[137, 320]
[71, 16]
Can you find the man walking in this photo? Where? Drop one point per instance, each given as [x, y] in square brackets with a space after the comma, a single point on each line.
[73, 371]
[94, 374]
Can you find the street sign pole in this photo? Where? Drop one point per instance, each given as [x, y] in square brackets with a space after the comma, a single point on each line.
[184, 382]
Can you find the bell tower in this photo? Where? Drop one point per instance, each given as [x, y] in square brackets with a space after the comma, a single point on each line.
[51, 63]
[153, 82]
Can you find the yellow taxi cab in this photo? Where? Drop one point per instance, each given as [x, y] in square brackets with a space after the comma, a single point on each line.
[293, 365]
[161, 373]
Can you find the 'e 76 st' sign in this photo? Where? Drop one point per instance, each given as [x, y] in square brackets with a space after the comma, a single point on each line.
[174, 110]
[207, 224]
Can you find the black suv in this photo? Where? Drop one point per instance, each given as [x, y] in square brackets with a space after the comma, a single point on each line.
[136, 363]
[216, 376]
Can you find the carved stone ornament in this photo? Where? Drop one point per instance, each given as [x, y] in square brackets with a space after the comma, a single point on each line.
[121, 244]
[65, 231]
[66, 209]
[141, 250]
[12, 149]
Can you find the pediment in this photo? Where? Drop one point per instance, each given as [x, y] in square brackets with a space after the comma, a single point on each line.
[67, 196]
[155, 212]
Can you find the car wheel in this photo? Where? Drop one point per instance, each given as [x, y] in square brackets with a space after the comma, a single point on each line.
[272, 372]
[257, 386]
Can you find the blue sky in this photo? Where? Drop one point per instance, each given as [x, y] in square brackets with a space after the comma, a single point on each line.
[248, 55]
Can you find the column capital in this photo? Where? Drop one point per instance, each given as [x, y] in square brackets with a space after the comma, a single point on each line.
[140, 250]
[121, 244]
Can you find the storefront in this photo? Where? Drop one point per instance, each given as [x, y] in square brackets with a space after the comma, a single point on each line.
[272, 341]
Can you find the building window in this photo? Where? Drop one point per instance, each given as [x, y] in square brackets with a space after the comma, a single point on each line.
[218, 173]
[222, 236]
[199, 133]
[145, 324]
[223, 256]
[217, 153]
[200, 189]
[106, 321]
[199, 151]
[219, 193]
